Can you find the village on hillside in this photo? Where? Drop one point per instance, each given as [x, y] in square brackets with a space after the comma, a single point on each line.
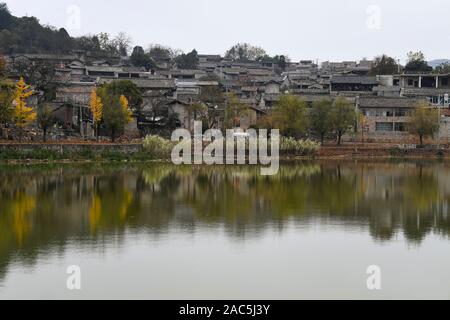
[168, 93]
[103, 90]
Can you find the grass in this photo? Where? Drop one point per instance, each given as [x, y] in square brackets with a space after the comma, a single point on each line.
[86, 154]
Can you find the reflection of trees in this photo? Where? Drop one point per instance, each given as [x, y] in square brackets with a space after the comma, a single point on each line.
[16, 213]
[42, 209]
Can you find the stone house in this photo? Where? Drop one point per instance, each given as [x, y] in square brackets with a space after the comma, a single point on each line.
[386, 118]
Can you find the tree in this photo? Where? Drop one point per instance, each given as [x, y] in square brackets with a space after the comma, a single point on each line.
[290, 116]
[129, 89]
[212, 95]
[116, 113]
[342, 117]
[280, 62]
[424, 121]
[122, 42]
[362, 119]
[107, 45]
[321, 118]
[245, 52]
[384, 65]
[416, 63]
[188, 61]
[7, 96]
[197, 111]
[2, 67]
[45, 119]
[27, 35]
[443, 68]
[114, 118]
[23, 114]
[88, 44]
[141, 59]
[161, 53]
[40, 75]
[6, 19]
[96, 107]
[214, 99]
[126, 108]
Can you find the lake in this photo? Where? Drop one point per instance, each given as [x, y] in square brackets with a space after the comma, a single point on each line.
[156, 231]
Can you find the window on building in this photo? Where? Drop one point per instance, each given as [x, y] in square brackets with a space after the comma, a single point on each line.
[400, 113]
[433, 99]
[384, 126]
[410, 82]
[400, 126]
[389, 113]
[444, 82]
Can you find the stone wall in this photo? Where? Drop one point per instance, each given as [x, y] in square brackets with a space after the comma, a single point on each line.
[72, 148]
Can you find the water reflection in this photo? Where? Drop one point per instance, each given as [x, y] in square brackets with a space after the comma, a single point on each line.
[43, 208]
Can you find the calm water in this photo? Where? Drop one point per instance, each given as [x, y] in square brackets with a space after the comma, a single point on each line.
[164, 232]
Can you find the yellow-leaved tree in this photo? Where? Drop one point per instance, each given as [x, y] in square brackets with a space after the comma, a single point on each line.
[23, 114]
[96, 107]
[126, 108]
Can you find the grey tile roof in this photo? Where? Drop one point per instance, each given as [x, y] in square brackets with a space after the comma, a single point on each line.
[354, 80]
[378, 102]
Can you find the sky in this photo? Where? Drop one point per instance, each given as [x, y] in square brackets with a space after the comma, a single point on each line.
[319, 30]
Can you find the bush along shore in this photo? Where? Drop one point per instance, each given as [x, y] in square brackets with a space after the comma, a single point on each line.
[152, 148]
[155, 148]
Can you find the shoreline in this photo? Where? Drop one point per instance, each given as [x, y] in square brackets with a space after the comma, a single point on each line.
[92, 152]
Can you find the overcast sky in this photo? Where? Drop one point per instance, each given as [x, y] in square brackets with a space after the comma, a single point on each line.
[314, 29]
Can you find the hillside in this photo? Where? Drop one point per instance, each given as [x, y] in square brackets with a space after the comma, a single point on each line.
[438, 62]
[27, 35]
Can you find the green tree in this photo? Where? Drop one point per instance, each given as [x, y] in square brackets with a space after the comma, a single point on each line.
[45, 119]
[424, 121]
[6, 19]
[127, 88]
[7, 95]
[384, 65]
[115, 116]
[188, 61]
[417, 63]
[343, 117]
[290, 116]
[320, 116]
[139, 58]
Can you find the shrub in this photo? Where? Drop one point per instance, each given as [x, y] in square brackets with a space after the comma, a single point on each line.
[157, 147]
[299, 147]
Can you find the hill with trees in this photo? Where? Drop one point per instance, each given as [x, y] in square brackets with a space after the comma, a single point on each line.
[27, 35]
